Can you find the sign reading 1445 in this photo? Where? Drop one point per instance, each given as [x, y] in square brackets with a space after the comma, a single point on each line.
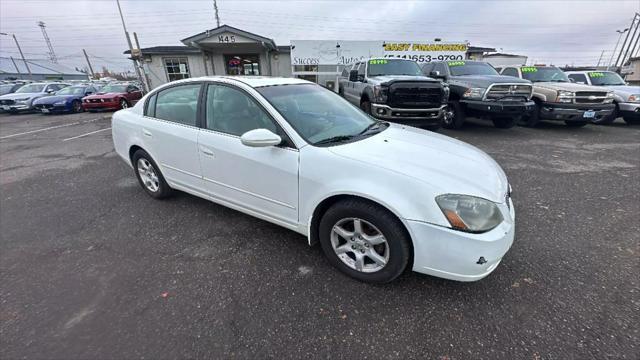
[226, 38]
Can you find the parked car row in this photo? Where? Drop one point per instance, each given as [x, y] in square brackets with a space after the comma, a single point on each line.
[402, 91]
[57, 97]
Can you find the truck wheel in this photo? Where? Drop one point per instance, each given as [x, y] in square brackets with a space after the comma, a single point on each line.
[365, 105]
[453, 116]
[576, 123]
[532, 119]
[504, 122]
[631, 120]
[608, 119]
[341, 92]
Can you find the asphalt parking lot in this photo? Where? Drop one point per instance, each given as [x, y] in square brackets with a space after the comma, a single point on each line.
[92, 267]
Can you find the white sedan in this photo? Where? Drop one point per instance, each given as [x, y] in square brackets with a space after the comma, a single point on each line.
[379, 197]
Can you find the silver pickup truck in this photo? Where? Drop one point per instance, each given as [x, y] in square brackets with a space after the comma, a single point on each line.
[395, 90]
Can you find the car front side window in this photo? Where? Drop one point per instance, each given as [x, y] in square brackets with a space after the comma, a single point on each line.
[231, 111]
[178, 104]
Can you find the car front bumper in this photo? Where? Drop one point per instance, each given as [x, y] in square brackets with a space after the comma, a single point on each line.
[574, 112]
[630, 110]
[16, 107]
[48, 108]
[506, 108]
[429, 116]
[101, 105]
[457, 255]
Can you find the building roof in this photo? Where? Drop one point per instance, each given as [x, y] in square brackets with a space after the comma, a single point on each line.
[504, 55]
[226, 28]
[478, 49]
[37, 67]
[161, 50]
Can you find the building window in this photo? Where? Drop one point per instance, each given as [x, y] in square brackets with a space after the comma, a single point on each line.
[177, 68]
[242, 64]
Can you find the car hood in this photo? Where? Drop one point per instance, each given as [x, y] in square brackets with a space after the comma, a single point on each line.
[446, 165]
[626, 89]
[54, 99]
[486, 80]
[14, 96]
[387, 79]
[104, 95]
[568, 86]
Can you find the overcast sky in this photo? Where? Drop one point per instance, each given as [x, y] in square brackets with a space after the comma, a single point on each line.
[559, 32]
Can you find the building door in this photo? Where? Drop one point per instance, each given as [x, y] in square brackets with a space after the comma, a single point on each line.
[242, 64]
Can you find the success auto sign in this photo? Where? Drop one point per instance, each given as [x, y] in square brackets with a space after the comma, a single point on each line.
[425, 52]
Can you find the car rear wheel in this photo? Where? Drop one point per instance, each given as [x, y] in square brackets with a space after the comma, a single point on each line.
[76, 106]
[504, 122]
[454, 116]
[123, 104]
[365, 241]
[533, 119]
[149, 175]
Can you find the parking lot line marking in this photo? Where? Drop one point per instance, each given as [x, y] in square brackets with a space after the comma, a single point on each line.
[87, 134]
[48, 128]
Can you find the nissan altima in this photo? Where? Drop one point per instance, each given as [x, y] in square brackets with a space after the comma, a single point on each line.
[380, 198]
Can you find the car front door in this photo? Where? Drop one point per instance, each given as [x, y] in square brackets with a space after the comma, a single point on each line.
[350, 89]
[263, 180]
[170, 134]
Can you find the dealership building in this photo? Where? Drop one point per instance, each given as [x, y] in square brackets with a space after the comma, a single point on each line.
[226, 50]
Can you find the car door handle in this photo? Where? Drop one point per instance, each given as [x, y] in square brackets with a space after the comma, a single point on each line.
[146, 133]
[206, 151]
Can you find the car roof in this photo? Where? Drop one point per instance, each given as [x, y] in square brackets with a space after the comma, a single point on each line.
[588, 71]
[253, 81]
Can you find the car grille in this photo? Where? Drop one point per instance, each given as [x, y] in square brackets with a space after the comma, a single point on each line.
[43, 106]
[590, 97]
[7, 102]
[96, 100]
[508, 92]
[412, 95]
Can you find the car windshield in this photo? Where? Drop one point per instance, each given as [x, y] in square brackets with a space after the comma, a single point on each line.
[379, 67]
[114, 88]
[460, 68]
[319, 115]
[31, 88]
[543, 74]
[72, 90]
[604, 78]
[6, 88]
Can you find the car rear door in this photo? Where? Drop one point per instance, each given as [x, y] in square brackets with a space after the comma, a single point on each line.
[263, 180]
[170, 134]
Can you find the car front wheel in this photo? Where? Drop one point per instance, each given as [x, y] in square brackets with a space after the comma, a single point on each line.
[454, 116]
[123, 104]
[76, 106]
[149, 175]
[365, 241]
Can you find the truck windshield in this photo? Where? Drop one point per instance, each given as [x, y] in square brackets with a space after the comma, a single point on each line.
[543, 74]
[378, 67]
[605, 78]
[319, 115]
[460, 68]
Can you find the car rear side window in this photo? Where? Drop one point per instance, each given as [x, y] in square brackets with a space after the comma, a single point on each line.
[178, 104]
[231, 111]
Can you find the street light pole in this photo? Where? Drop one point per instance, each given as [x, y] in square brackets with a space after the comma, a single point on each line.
[616, 47]
[21, 54]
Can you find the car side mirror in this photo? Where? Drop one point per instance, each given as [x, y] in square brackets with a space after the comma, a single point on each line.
[260, 138]
[436, 74]
[353, 75]
[50, 91]
[572, 80]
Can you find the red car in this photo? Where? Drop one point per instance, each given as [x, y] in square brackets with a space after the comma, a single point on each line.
[112, 97]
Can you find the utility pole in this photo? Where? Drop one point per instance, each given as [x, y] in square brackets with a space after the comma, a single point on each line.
[215, 7]
[616, 47]
[21, 54]
[52, 54]
[93, 75]
[126, 34]
[147, 83]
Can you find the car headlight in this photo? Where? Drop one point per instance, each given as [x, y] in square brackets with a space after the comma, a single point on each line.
[474, 93]
[469, 213]
[23, 99]
[565, 96]
[634, 98]
[445, 93]
[380, 93]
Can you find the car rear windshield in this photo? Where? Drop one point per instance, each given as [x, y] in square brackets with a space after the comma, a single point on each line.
[31, 88]
[379, 67]
[604, 78]
[114, 89]
[543, 74]
[460, 68]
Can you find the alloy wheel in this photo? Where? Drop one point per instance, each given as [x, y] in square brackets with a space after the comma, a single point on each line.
[449, 115]
[148, 175]
[360, 245]
[123, 104]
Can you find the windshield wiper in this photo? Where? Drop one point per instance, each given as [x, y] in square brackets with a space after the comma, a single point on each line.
[372, 127]
[334, 139]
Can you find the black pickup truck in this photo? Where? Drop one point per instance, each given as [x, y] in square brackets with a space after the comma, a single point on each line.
[478, 90]
[396, 90]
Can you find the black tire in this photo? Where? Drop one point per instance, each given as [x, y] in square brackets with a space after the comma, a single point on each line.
[365, 105]
[124, 104]
[576, 123]
[163, 190]
[533, 119]
[341, 92]
[504, 122]
[391, 228]
[454, 116]
[76, 106]
[632, 120]
[609, 119]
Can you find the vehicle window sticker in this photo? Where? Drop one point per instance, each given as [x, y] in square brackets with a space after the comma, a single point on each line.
[528, 69]
[596, 74]
[456, 63]
[377, 61]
